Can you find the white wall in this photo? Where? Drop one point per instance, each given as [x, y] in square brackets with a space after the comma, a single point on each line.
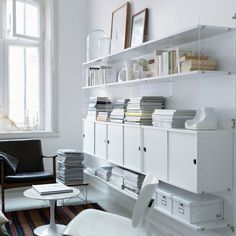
[72, 28]
[166, 16]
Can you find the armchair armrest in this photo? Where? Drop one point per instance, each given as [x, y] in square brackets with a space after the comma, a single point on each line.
[54, 164]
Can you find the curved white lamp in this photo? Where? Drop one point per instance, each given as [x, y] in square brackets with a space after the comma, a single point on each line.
[98, 223]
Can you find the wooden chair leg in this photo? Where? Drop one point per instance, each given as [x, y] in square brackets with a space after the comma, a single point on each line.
[3, 199]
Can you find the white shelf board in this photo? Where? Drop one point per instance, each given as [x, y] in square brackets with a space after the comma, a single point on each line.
[111, 185]
[200, 226]
[164, 78]
[210, 225]
[188, 35]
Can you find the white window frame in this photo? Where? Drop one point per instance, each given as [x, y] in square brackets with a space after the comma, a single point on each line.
[33, 2]
[48, 101]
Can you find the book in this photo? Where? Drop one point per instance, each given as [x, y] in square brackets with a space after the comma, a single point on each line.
[47, 189]
[186, 58]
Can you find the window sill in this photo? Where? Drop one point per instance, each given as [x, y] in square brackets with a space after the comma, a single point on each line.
[27, 134]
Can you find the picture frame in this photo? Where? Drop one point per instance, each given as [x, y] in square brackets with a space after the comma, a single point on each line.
[139, 27]
[120, 28]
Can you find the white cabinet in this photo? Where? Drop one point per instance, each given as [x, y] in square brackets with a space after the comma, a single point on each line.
[201, 161]
[115, 144]
[132, 147]
[101, 140]
[88, 135]
[155, 157]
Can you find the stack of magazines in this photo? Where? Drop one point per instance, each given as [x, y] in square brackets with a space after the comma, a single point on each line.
[70, 168]
[99, 108]
[117, 177]
[133, 182]
[118, 113]
[140, 109]
[104, 172]
[172, 118]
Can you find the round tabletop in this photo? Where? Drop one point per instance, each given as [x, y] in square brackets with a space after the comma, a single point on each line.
[31, 193]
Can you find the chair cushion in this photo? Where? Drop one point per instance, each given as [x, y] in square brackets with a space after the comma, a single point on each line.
[28, 177]
[10, 163]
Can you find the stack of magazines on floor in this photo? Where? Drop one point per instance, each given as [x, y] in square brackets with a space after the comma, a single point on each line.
[104, 172]
[117, 177]
[140, 109]
[118, 113]
[133, 182]
[172, 118]
[99, 108]
[70, 167]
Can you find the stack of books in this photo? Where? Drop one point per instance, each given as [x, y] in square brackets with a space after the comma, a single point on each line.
[117, 177]
[171, 118]
[99, 108]
[167, 61]
[191, 63]
[69, 166]
[104, 172]
[119, 111]
[140, 109]
[133, 182]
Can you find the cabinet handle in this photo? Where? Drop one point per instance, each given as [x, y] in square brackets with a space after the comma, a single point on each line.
[195, 161]
[139, 148]
[108, 141]
[84, 135]
[144, 149]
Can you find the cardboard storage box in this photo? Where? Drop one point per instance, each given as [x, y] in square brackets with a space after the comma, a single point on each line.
[164, 201]
[196, 208]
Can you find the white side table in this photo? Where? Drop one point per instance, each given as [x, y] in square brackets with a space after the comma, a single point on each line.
[52, 229]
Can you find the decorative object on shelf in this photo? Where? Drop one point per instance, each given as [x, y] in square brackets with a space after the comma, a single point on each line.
[139, 27]
[119, 28]
[137, 71]
[93, 39]
[104, 45]
[122, 75]
[205, 119]
[129, 69]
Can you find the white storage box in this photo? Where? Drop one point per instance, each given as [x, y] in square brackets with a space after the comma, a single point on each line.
[193, 208]
[164, 201]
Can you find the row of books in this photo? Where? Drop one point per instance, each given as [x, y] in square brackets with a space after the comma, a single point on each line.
[70, 166]
[180, 60]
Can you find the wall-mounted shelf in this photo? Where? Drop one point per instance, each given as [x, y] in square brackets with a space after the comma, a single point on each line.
[164, 78]
[189, 35]
[200, 226]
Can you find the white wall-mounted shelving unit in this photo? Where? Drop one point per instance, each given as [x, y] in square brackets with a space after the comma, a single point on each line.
[108, 141]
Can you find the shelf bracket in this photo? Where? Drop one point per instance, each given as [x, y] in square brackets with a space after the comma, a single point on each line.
[233, 123]
[231, 228]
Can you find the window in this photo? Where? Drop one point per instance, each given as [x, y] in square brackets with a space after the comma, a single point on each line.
[24, 79]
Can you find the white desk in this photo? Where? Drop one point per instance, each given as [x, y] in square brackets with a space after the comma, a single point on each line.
[52, 229]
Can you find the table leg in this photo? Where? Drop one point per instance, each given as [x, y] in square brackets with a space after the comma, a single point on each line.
[52, 229]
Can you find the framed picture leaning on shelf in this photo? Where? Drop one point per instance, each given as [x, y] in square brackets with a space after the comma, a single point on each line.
[119, 28]
[139, 27]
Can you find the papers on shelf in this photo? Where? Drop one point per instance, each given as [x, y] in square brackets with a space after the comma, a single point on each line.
[47, 189]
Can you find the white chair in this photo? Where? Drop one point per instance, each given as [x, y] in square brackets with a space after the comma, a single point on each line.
[98, 223]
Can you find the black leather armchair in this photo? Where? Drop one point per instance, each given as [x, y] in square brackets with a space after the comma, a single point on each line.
[30, 168]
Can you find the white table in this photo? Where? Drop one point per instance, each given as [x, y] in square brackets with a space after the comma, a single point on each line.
[52, 229]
